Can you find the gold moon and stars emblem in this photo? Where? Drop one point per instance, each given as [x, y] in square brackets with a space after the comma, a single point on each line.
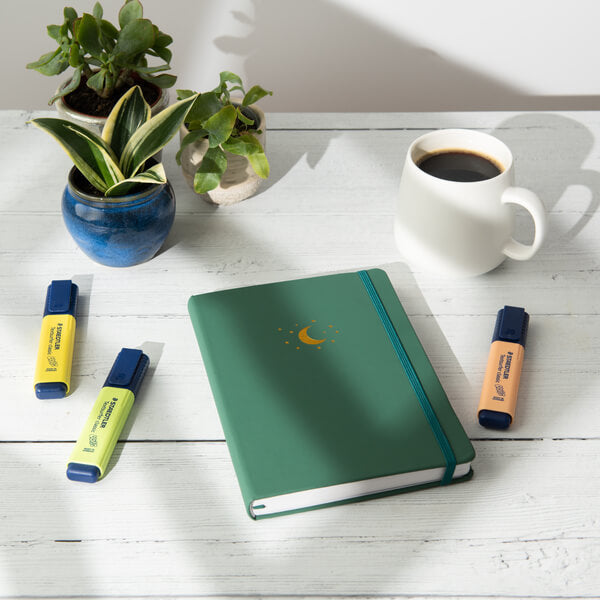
[301, 336]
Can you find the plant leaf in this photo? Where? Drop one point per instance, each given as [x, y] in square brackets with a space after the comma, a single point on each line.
[130, 11]
[97, 10]
[162, 81]
[181, 94]
[155, 174]
[56, 65]
[70, 15]
[137, 36]
[54, 32]
[72, 85]
[255, 93]
[220, 126]
[74, 57]
[163, 53]
[88, 35]
[88, 151]
[153, 135]
[127, 116]
[109, 30]
[98, 80]
[243, 118]
[162, 40]
[149, 70]
[260, 164]
[210, 171]
[43, 60]
[228, 76]
[243, 145]
[206, 105]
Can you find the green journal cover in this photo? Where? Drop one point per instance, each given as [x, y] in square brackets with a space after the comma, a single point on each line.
[315, 400]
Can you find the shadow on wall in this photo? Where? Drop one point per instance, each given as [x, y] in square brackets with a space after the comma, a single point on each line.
[370, 69]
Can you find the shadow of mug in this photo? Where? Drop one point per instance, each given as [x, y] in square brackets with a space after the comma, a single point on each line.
[456, 223]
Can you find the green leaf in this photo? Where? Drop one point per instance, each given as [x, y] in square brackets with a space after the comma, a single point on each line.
[260, 164]
[57, 64]
[70, 15]
[206, 106]
[97, 10]
[54, 32]
[162, 81]
[220, 126]
[190, 138]
[181, 94]
[109, 30]
[137, 36]
[243, 118]
[149, 70]
[71, 86]
[88, 35]
[228, 76]
[88, 151]
[43, 60]
[243, 145]
[130, 11]
[153, 135]
[127, 116]
[74, 55]
[97, 81]
[163, 53]
[162, 40]
[155, 175]
[210, 171]
[255, 93]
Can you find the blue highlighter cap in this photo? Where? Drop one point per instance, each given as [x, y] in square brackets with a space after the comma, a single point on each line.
[511, 325]
[61, 298]
[128, 370]
[81, 472]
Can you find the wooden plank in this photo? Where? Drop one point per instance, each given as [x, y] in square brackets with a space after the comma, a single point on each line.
[353, 170]
[169, 519]
[558, 392]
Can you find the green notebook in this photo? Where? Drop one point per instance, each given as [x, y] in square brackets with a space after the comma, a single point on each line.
[325, 393]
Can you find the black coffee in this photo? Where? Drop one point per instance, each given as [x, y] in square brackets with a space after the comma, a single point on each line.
[459, 165]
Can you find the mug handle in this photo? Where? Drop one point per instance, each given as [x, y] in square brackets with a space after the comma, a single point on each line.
[528, 200]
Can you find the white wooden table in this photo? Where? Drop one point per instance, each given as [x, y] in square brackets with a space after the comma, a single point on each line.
[168, 519]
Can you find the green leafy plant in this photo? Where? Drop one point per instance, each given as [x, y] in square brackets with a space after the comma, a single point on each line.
[113, 163]
[227, 125]
[106, 56]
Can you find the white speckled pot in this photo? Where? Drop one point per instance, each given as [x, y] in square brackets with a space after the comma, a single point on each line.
[239, 180]
[96, 124]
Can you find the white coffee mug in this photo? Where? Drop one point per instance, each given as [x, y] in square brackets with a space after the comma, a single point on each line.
[462, 228]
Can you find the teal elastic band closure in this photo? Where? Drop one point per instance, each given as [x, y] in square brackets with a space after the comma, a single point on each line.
[413, 378]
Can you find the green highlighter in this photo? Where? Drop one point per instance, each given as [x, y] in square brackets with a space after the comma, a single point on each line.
[99, 437]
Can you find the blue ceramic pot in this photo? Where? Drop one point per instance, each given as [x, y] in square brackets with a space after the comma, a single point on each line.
[123, 233]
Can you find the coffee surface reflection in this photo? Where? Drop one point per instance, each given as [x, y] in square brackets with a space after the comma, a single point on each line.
[459, 165]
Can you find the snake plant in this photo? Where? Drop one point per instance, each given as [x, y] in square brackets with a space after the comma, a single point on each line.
[113, 163]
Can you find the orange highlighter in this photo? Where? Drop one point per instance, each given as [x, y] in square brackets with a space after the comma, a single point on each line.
[498, 400]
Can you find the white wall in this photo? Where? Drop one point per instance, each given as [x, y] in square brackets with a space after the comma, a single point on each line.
[351, 55]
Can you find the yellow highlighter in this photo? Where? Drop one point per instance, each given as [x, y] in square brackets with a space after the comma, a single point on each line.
[97, 441]
[57, 340]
